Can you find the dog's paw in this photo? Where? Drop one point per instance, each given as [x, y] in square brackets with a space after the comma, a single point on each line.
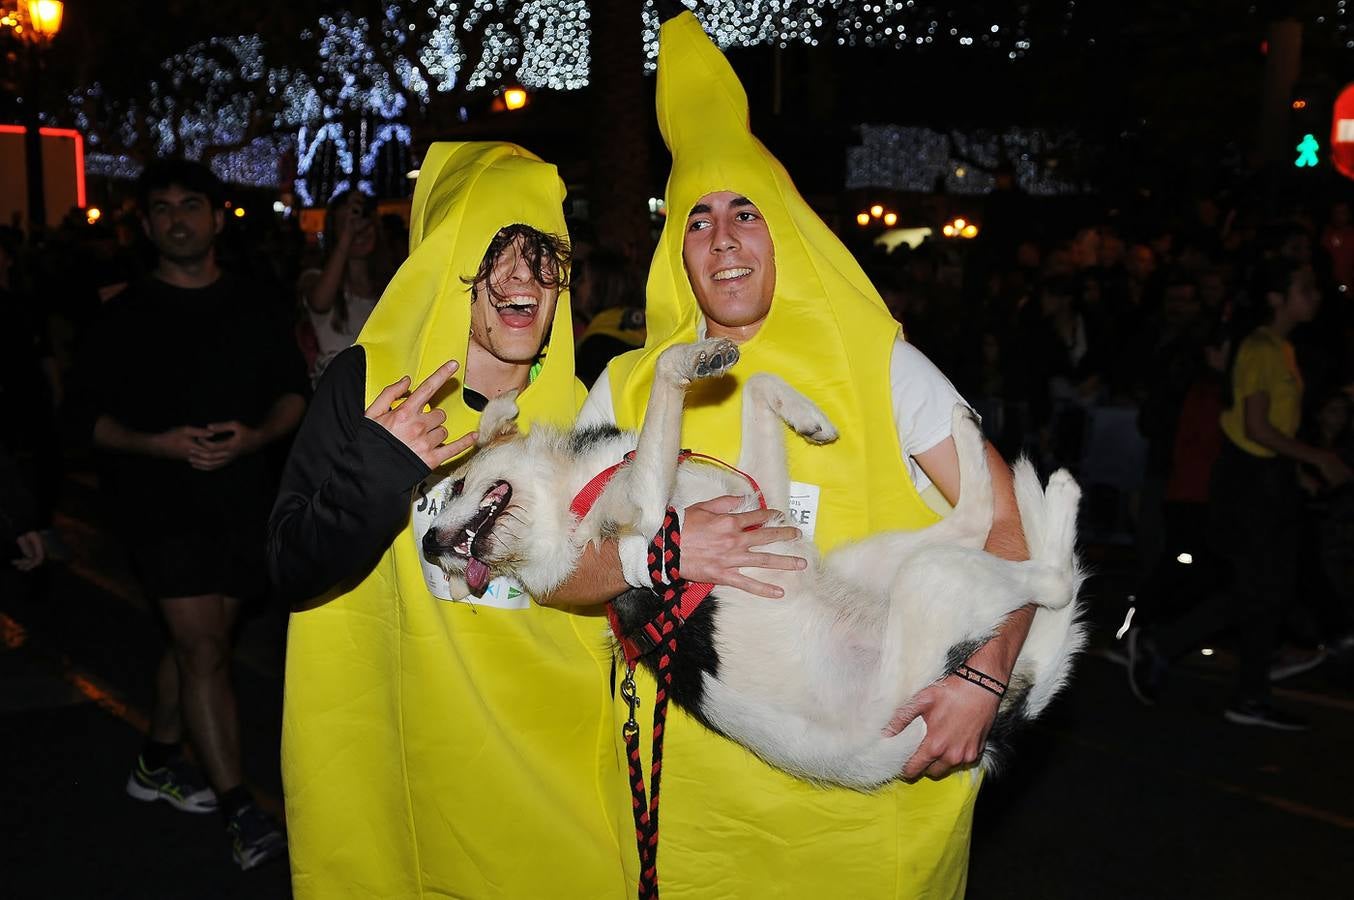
[1062, 497]
[796, 410]
[685, 363]
[1063, 492]
[815, 429]
[714, 357]
[810, 423]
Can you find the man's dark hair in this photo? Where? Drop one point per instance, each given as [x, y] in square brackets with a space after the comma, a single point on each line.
[186, 174]
[547, 255]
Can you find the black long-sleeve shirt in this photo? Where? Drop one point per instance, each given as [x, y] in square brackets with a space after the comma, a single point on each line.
[346, 490]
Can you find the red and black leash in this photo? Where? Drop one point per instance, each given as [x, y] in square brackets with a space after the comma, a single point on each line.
[665, 555]
[678, 599]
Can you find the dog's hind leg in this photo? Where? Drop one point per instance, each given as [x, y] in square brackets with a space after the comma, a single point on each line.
[971, 520]
[1055, 634]
[638, 496]
[947, 597]
[769, 404]
[876, 560]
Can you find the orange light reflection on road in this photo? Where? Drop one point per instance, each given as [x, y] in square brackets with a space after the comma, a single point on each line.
[12, 634]
[107, 700]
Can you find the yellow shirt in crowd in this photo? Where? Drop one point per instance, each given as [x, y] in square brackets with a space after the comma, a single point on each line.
[1265, 363]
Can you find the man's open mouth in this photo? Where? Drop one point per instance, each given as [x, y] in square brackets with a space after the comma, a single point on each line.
[470, 542]
[517, 310]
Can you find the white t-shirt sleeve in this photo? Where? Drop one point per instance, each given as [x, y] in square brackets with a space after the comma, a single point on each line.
[923, 404]
[599, 409]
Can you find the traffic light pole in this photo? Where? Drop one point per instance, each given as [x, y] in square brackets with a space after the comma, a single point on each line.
[1283, 64]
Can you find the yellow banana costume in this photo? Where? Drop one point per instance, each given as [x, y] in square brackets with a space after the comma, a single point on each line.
[435, 748]
[731, 826]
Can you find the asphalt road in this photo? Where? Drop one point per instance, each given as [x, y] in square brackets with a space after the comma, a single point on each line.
[1104, 798]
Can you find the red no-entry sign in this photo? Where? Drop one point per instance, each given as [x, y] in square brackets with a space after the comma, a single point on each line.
[1342, 132]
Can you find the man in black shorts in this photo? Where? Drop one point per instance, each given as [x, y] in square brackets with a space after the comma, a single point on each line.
[194, 374]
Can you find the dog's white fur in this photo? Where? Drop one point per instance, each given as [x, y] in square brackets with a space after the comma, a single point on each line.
[807, 682]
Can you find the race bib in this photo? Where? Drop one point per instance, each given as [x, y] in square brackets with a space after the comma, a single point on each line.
[429, 498]
[803, 511]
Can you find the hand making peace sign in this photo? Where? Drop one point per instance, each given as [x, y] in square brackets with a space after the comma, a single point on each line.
[421, 431]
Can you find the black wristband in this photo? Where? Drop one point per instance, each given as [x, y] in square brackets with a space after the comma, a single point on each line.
[981, 679]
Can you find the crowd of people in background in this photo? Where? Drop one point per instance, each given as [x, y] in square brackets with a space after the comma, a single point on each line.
[1099, 345]
[1129, 355]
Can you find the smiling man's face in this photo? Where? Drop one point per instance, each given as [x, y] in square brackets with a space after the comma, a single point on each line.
[182, 224]
[731, 264]
[512, 320]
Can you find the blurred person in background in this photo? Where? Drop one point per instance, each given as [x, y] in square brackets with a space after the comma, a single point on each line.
[339, 296]
[1254, 505]
[1337, 239]
[610, 295]
[182, 422]
[22, 542]
[31, 386]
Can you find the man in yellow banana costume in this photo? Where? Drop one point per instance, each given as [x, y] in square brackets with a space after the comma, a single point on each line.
[743, 256]
[439, 746]
[434, 747]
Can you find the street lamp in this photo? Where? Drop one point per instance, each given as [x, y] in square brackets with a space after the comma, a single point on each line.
[44, 17]
[35, 23]
[876, 211]
[514, 98]
[960, 227]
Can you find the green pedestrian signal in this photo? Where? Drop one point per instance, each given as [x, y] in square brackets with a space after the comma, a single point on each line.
[1307, 152]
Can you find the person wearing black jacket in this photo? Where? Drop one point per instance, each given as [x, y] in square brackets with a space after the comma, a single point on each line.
[345, 491]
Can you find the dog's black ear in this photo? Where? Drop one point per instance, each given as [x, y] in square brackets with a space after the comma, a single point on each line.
[498, 422]
[668, 9]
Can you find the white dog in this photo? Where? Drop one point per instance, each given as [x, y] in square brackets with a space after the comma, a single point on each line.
[809, 681]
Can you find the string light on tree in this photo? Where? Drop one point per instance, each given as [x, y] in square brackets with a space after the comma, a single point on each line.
[913, 159]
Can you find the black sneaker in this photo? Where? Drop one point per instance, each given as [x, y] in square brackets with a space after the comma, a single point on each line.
[177, 783]
[1260, 713]
[255, 837]
[1146, 667]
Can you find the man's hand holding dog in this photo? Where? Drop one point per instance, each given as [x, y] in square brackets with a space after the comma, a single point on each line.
[423, 432]
[718, 543]
[958, 717]
[959, 714]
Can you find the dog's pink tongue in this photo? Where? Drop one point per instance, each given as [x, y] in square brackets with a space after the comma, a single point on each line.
[477, 575]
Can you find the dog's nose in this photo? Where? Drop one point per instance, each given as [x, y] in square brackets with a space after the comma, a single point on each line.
[430, 544]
